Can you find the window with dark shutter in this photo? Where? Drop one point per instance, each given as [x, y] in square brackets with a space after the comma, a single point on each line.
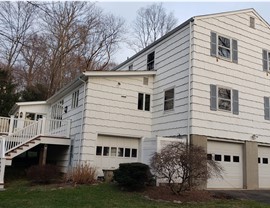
[266, 108]
[223, 47]
[235, 102]
[224, 99]
[213, 97]
[213, 44]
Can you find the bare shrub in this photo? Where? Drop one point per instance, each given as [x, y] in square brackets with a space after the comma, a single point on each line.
[83, 173]
[43, 173]
[183, 166]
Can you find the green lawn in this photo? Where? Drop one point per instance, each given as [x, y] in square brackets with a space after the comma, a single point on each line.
[20, 194]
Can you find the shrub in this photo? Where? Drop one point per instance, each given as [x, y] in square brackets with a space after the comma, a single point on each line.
[43, 173]
[183, 166]
[133, 176]
[81, 174]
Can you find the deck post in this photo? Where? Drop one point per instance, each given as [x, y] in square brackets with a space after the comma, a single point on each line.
[11, 125]
[43, 126]
[43, 155]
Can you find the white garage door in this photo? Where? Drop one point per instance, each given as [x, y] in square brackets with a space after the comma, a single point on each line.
[264, 166]
[111, 151]
[230, 156]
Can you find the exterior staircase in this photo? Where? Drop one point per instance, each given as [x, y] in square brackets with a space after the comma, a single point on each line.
[43, 131]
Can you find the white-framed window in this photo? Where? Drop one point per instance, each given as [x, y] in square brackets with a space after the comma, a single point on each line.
[224, 99]
[144, 101]
[169, 99]
[224, 47]
[121, 152]
[151, 61]
[75, 99]
[266, 60]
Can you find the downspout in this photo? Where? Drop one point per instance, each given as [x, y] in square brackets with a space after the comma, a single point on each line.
[82, 117]
[189, 85]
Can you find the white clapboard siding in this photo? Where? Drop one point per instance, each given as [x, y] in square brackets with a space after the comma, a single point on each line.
[247, 77]
[112, 109]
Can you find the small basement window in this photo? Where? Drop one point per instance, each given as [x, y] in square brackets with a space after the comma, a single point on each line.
[217, 157]
[106, 151]
[134, 153]
[265, 160]
[120, 152]
[127, 152]
[259, 160]
[227, 158]
[113, 151]
[236, 159]
[99, 150]
[209, 156]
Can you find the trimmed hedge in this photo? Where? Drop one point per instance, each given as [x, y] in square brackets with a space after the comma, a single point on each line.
[133, 176]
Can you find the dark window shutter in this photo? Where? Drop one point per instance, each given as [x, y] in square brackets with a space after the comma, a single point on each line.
[264, 54]
[266, 108]
[234, 51]
[213, 44]
[213, 97]
[235, 102]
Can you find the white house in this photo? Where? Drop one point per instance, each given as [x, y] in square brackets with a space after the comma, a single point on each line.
[206, 82]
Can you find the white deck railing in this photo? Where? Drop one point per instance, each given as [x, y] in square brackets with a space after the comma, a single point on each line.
[42, 127]
[11, 125]
[4, 125]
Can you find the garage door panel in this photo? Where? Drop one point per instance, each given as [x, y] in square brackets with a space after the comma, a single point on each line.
[229, 155]
[115, 150]
[264, 166]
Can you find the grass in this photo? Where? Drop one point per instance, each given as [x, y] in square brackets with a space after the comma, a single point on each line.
[21, 194]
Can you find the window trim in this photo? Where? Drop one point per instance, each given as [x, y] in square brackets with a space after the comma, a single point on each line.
[267, 59]
[231, 100]
[150, 62]
[164, 91]
[75, 99]
[144, 101]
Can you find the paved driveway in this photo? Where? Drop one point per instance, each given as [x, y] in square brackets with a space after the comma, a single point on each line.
[256, 195]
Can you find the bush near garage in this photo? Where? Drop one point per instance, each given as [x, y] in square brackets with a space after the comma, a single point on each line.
[184, 166]
[133, 176]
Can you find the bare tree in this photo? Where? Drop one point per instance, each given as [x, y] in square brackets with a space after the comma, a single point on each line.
[151, 23]
[16, 21]
[184, 166]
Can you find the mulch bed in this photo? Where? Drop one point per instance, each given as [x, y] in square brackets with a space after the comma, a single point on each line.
[163, 193]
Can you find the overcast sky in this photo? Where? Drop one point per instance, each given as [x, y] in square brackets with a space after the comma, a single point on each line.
[182, 11]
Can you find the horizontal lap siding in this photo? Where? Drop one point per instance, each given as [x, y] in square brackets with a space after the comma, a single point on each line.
[247, 77]
[111, 109]
[172, 64]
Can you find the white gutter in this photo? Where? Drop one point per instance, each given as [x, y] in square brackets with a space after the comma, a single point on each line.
[189, 86]
[82, 117]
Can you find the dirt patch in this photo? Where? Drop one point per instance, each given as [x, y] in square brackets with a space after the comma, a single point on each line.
[163, 193]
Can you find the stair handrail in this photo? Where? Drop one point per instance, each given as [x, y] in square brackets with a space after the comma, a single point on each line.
[22, 136]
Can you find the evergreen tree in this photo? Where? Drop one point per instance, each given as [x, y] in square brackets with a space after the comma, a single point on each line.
[8, 96]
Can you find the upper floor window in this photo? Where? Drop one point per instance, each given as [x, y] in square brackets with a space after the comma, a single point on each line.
[252, 22]
[75, 99]
[151, 61]
[169, 99]
[130, 67]
[266, 108]
[143, 101]
[224, 47]
[266, 60]
[225, 99]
